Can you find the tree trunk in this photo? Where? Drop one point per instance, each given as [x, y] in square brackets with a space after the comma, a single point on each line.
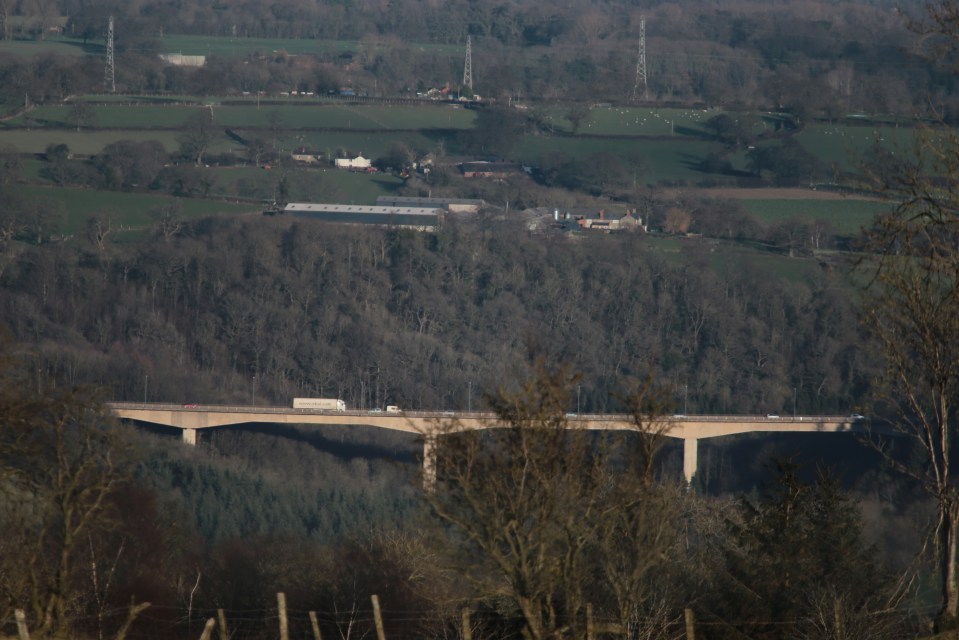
[949, 615]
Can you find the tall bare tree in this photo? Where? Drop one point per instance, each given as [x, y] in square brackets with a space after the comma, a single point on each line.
[58, 465]
[911, 309]
[550, 516]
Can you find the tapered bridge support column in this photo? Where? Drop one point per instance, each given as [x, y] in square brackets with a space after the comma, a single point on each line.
[429, 463]
[189, 436]
[690, 458]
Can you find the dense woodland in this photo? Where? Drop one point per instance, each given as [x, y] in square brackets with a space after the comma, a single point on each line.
[537, 531]
[380, 317]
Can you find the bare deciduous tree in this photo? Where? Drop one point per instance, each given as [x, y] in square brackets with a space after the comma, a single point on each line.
[912, 310]
[552, 516]
[58, 465]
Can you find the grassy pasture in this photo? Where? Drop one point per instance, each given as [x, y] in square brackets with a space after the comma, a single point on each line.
[137, 99]
[635, 121]
[304, 184]
[91, 142]
[667, 148]
[664, 159]
[300, 116]
[86, 142]
[846, 146]
[228, 47]
[370, 143]
[129, 210]
[726, 256]
[59, 46]
[846, 215]
[341, 116]
[113, 117]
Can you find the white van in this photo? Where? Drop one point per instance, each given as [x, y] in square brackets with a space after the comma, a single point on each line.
[392, 408]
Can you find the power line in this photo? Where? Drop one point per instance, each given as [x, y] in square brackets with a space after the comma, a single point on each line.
[468, 68]
[109, 79]
[641, 61]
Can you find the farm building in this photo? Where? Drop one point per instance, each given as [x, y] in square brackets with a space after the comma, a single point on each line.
[453, 205]
[359, 162]
[566, 220]
[418, 218]
[482, 169]
[305, 155]
[180, 60]
[603, 222]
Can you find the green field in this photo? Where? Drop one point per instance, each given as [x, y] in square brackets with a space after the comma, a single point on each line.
[370, 144]
[129, 210]
[310, 185]
[846, 215]
[662, 159]
[87, 142]
[297, 115]
[57, 45]
[847, 146]
[724, 256]
[635, 121]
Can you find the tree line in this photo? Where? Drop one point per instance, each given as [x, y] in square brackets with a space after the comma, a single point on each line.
[369, 314]
[809, 59]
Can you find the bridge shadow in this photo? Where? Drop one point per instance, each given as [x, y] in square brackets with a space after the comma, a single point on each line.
[346, 442]
[738, 464]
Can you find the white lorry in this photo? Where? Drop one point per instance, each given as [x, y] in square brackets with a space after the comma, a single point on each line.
[324, 404]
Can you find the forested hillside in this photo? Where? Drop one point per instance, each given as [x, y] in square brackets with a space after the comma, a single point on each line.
[534, 528]
[810, 58]
[232, 308]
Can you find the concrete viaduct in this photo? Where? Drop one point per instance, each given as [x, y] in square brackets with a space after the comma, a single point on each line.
[690, 429]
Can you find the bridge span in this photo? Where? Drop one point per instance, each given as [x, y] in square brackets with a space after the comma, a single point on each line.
[690, 429]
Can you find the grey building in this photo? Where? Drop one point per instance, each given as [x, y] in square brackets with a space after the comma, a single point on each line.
[419, 218]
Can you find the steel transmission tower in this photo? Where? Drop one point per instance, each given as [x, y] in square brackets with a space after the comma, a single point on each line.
[641, 62]
[109, 79]
[468, 68]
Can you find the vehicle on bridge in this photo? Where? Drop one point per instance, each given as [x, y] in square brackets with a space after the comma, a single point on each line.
[323, 404]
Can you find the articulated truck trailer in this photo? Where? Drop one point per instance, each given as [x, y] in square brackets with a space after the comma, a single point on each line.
[325, 404]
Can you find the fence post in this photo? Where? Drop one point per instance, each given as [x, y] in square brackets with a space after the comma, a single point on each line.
[467, 631]
[281, 606]
[22, 630]
[221, 619]
[135, 610]
[690, 624]
[316, 626]
[837, 618]
[378, 618]
[208, 629]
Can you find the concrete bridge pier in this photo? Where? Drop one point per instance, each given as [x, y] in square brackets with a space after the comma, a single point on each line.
[429, 463]
[189, 436]
[690, 458]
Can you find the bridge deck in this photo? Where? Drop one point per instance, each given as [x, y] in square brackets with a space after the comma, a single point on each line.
[426, 422]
